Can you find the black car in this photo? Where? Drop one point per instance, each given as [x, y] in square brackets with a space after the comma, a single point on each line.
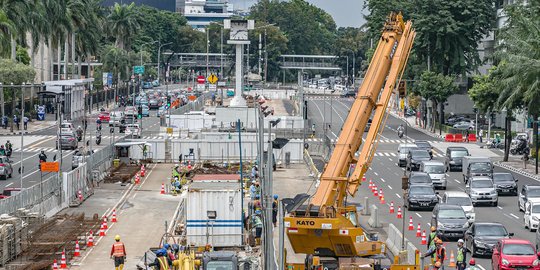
[454, 157]
[506, 183]
[481, 237]
[420, 178]
[424, 145]
[421, 196]
[415, 158]
[450, 220]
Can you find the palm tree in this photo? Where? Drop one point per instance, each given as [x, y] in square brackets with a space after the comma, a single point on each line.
[17, 11]
[86, 40]
[60, 24]
[6, 28]
[123, 24]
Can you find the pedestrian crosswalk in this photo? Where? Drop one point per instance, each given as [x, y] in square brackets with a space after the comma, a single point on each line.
[395, 154]
[398, 141]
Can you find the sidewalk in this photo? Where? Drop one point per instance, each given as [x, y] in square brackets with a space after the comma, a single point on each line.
[33, 126]
[142, 216]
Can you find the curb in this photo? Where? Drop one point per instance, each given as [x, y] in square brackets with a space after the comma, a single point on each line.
[15, 133]
[516, 170]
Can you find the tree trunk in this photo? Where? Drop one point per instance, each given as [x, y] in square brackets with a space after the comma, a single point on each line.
[13, 48]
[33, 65]
[66, 56]
[507, 134]
[73, 58]
[441, 117]
[2, 104]
[59, 59]
[42, 60]
[79, 68]
[50, 61]
[433, 115]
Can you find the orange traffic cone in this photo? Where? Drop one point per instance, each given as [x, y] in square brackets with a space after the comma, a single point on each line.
[370, 186]
[424, 240]
[143, 170]
[189, 165]
[55, 265]
[418, 231]
[452, 259]
[382, 199]
[77, 252]
[375, 193]
[411, 225]
[399, 216]
[90, 242]
[105, 223]
[63, 262]
[137, 178]
[80, 195]
[102, 230]
[380, 194]
[391, 207]
[363, 179]
[162, 189]
[113, 219]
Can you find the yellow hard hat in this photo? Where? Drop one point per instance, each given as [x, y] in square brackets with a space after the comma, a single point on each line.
[433, 228]
[439, 242]
[117, 237]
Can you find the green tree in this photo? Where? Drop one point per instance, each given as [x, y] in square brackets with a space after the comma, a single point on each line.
[14, 73]
[123, 24]
[350, 44]
[483, 93]
[6, 28]
[437, 88]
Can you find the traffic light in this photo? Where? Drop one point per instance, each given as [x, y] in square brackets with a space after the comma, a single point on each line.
[139, 112]
[402, 89]
[168, 101]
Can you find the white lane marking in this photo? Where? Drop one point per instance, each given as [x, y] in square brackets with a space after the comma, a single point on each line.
[429, 224]
[481, 267]
[376, 173]
[390, 187]
[8, 185]
[499, 207]
[420, 216]
[456, 180]
[516, 217]
[398, 196]
[383, 180]
[390, 160]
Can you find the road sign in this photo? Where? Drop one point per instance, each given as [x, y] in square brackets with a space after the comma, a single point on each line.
[201, 79]
[169, 130]
[221, 84]
[49, 166]
[212, 79]
[138, 69]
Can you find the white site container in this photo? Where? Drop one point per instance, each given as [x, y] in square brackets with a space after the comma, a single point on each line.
[223, 198]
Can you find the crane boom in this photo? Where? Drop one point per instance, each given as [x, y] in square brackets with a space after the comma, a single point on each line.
[327, 226]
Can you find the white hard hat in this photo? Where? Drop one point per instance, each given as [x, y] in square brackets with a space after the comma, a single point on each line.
[460, 241]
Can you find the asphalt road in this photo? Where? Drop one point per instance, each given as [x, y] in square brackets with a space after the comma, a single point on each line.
[387, 175]
[45, 140]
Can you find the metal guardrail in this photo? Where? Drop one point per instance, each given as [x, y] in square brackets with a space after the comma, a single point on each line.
[31, 196]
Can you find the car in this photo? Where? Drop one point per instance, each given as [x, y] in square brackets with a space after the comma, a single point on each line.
[454, 157]
[537, 239]
[512, 254]
[105, 117]
[78, 158]
[415, 157]
[462, 199]
[155, 83]
[162, 110]
[482, 190]
[424, 145]
[349, 93]
[403, 151]
[66, 127]
[68, 141]
[421, 196]
[6, 170]
[420, 178]
[147, 85]
[145, 111]
[481, 237]
[456, 118]
[133, 130]
[116, 118]
[436, 171]
[527, 192]
[505, 183]
[130, 111]
[532, 213]
[8, 192]
[154, 103]
[450, 220]
[464, 125]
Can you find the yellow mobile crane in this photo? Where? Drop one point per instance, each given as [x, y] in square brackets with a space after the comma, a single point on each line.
[327, 227]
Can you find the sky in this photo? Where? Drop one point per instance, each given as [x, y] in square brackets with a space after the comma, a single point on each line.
[345, 12]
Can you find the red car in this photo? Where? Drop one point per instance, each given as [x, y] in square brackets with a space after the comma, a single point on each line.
[514, 254]
[105, 117]
[8, 192]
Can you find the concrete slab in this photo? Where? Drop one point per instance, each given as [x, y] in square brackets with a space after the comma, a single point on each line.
[141, 220]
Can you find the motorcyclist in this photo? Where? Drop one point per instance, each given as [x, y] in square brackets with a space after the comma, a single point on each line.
[400, 130]
[98, 123]
[42, 157]
[79, 133]
[98, 137]
[9, 145]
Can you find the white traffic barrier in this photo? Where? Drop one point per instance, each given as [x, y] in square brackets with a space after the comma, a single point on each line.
[374, 218]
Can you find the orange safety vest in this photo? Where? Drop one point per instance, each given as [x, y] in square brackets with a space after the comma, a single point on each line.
[441, 253]
[119, 250]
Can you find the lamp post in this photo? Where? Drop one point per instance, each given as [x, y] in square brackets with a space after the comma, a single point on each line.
[158, 57]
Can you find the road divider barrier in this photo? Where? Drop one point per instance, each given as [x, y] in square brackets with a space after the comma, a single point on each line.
[394, 242]
[373, 220]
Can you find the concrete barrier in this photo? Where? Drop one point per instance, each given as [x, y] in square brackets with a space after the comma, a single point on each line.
[374, 218]
[393, 242]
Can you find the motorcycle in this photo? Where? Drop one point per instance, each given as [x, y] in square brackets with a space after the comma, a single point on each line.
[400, 133]
[98, 138]
[493, 144]
[519, 147]
[8, 152]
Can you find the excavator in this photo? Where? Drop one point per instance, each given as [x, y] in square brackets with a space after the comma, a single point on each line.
[327, 226]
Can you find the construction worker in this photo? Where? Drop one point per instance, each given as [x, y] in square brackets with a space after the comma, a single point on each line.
[431, 237]
[461, 255]
[176, 171]
[436, 265]
[257, 223]
[118, 253]
[275, 209]
[439, 251]
[161, 262]
[472, 265]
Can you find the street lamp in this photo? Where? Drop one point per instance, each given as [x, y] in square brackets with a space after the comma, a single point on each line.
[158, 57]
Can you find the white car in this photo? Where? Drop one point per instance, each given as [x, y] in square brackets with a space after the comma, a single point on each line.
[133, 130]
[532, 214]
[462, 199]
[116, 118]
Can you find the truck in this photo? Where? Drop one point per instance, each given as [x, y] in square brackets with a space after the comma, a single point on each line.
[476, 166]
